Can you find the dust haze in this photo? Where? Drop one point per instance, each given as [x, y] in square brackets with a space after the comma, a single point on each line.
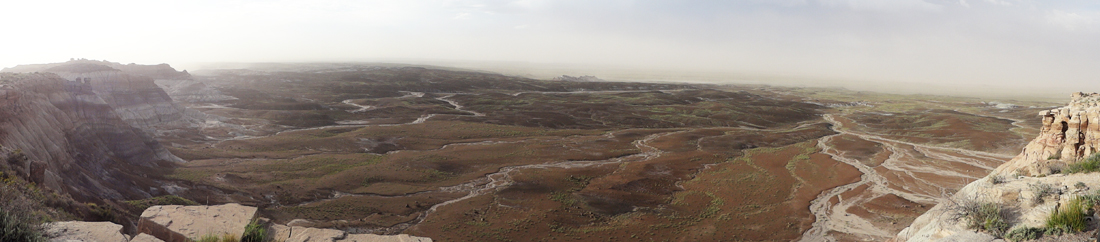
[1034, 48]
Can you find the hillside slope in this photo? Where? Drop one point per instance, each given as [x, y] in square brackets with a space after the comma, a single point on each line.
[1031, 186]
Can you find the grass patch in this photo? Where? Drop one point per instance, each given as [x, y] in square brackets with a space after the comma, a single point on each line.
[215, 238]
[141, 205]
[16, 227]
[1070, 217]
[1091, 164]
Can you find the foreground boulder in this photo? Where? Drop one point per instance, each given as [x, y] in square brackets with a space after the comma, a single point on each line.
[176, 223]
[145, 238]
[85, 231]
[303, 234]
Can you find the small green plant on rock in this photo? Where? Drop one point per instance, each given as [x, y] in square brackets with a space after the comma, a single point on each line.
[254, 232]
[1025, 233]
[996, 179]
[215, 238]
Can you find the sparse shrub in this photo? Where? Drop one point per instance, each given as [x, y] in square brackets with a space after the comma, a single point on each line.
[996, 179]
[984, 216]
[1025, 233]
[1080, 185]
[14, 227]
[1041, 191]
[254, 232]
[1055, 156]
[1070, 217]
[1090, 164]
[1020, 173]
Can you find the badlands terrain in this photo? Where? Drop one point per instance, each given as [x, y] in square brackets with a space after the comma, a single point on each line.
[461, 155]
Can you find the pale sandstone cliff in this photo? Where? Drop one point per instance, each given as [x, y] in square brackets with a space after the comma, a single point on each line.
[1069, 135]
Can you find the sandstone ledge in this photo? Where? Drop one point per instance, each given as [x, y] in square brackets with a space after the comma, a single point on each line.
[176, 223]
[85, 231]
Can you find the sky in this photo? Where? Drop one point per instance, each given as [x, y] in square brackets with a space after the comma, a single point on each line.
[954, 43]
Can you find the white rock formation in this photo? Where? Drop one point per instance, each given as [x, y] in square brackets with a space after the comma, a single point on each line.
[176, 223]
[76, 231]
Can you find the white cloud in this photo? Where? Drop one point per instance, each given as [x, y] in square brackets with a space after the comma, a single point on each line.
[1070, 21]
[884, 5]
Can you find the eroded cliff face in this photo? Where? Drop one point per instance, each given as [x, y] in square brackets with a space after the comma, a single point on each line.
[1069, 134]
[76, 141]
[137, 100]
[129, 89]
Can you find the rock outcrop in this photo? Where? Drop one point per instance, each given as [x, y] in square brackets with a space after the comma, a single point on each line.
[75, 231]
[1030, 183]
[176, 223]
[157, 72]
[145, 238]
[1069, 134]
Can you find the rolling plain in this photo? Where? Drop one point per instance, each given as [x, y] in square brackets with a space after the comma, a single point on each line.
[470, 156]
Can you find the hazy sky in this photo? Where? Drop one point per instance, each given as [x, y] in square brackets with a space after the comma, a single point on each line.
[987, 42]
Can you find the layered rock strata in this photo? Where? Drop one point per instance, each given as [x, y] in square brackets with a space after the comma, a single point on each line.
[1069, 134]
[136, 99]
[74, 141]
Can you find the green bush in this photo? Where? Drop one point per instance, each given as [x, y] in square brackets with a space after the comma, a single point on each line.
[14, 227]
[1091, 164]
[1025, 233]
[254, 232]
[1070, 217]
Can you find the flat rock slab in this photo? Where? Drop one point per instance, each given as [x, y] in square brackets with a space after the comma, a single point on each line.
[303, 234]
[145, 238]
[74, 231]
[385, 238]
[176, 223]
